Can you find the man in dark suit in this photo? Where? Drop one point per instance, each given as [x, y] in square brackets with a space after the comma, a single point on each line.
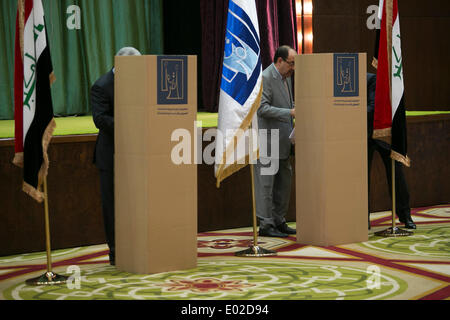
[384, 149]
[102, 100]
[273, 171]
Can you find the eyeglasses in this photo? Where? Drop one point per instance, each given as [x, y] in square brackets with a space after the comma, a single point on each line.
[291, 63]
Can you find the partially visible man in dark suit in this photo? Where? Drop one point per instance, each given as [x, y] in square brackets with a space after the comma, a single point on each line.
[384, 149]
[102, 100]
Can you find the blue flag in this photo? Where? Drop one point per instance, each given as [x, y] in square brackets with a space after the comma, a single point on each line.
[240, 91]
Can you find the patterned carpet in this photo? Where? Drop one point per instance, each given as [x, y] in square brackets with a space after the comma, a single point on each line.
[404, 268]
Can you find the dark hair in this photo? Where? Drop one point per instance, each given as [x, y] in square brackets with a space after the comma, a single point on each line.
[282, 52]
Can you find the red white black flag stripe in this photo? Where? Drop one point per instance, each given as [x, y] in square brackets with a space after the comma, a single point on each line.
[389, 114]
[34, 123]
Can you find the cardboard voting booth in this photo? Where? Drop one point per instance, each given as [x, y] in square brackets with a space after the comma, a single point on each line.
[155, 179]
[331, 149]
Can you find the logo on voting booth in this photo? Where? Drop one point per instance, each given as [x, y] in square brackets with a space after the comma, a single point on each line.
[172, 79]
[346, 74]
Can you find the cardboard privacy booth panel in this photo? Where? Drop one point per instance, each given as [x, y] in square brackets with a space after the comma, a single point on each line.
[331, 149]
[155, 192]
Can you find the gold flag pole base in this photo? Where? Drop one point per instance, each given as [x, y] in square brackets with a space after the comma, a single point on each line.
[256, 251]
[48, 278]
[393, 232]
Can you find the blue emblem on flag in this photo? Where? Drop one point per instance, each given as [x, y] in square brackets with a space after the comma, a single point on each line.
[346, 73]
[242, 61]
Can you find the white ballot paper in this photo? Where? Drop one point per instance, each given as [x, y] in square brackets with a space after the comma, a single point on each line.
[292, 136]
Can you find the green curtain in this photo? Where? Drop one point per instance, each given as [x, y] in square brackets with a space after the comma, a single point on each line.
[7, 34]
[81, 56]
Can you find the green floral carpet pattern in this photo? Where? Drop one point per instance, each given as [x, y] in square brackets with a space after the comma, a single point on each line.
[414, 267]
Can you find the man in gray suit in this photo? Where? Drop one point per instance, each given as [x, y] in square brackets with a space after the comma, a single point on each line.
[273, 171]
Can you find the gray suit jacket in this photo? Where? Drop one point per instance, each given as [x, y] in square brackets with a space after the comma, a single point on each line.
[274, 112]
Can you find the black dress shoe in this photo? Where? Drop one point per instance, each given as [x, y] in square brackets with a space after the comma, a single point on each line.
[409, 223]
[285, 229]
[270, 231]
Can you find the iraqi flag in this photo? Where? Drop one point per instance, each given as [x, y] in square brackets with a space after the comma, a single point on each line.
[240, 91]
[33, 114]
[389, 114]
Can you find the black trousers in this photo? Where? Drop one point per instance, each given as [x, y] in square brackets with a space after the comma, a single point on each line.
[401, 188]
[107, 194]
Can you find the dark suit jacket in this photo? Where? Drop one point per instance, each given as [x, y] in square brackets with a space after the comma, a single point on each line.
[371, 86]
[102, 100]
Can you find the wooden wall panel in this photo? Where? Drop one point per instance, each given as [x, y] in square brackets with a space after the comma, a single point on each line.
[429, 150]
[75, 207]
[74, 199]
[428, 177]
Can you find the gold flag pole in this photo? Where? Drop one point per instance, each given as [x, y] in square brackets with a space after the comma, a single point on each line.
[48, 278]
[255, 250]
[393, 231]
